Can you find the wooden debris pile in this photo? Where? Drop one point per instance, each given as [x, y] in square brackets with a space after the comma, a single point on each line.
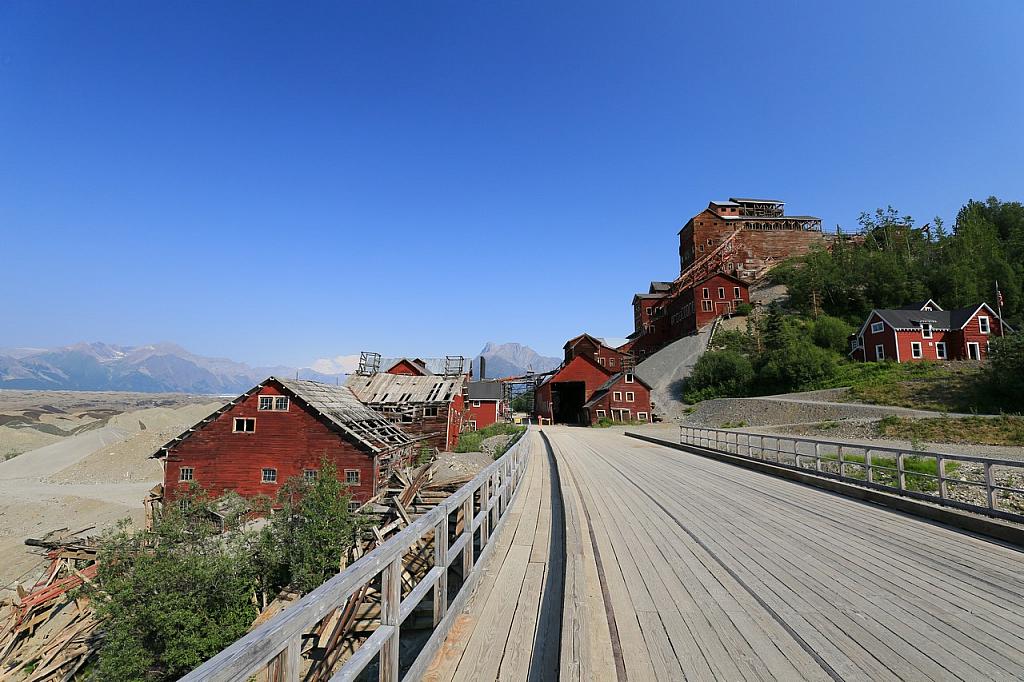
[44, 633]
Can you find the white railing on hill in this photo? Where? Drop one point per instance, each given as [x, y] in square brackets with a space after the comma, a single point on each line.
[978, 484]
[278, 642]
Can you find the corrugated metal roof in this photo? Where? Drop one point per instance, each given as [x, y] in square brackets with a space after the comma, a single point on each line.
[397, 389]
[756, 201]
[486, 390]
[724, 203]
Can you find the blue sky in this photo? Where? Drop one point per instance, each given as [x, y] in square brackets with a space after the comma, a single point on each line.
[281, 182]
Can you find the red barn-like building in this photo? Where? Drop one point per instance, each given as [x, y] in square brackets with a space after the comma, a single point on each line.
[561, 397]
[623, 398]
[407, 367]
[484, 405]
[600, 350]
[924, 331]
[279, 429]
[429, 405]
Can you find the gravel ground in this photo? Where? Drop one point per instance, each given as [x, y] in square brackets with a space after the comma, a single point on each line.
[457, 465]
[665, 371]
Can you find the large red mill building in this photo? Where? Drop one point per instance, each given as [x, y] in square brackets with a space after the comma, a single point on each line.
[722, 250]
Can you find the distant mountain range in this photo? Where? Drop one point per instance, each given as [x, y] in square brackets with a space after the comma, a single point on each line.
[512, 359]
[157, 368]
[169, 368]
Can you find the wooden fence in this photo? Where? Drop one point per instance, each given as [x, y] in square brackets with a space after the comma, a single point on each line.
[978, 484]
[278, 642]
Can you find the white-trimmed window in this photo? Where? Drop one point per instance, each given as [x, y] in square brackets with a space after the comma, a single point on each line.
[244, 425]
[721, 293]
[940, 350]
[429, 411]
[471, 425]
[273, 403]
[611, 362]
[353, 506]
[184, 504]
[736, 292]
[600, 414]
[630, 396]
[708, 306]
[916, 351]
[706, 293]
[476, 403]
[310, 475]
[629, 377]
[269, 476]
[879, 352]
[600, 361]
[877, 327]
[926, 330]
[617, 395]
[648, 311]
[352, 476]
[983, 324]
[186, 474]
[642, 416]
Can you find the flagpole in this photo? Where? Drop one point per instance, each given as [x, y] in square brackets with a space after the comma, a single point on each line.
[999, 305]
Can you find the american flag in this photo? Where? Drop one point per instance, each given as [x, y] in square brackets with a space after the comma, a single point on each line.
[999, 297]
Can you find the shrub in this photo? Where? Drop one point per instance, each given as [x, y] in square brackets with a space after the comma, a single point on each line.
[744, 309]
[718, 374]
[1005, 372]
[832, 333]
[797, 366]
[470, 441]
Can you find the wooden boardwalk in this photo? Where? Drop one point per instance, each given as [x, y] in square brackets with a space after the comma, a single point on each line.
[679, 567]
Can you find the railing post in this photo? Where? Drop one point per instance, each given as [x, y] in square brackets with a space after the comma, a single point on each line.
[485, 502]
[990, 491]
[817, 456]
[940, 464]
[869, 473]
[441, 561]
[842, 463]
[901, 471]
[467, 529]
[390, 601]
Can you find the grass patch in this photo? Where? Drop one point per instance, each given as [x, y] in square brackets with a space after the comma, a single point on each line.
[605, 422]
[1004, 430]
[942, 387]
[471, 441]
[733, 425]
[827, 425]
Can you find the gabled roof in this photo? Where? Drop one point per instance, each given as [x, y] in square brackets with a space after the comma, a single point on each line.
[335, 404]
[604, 388]
[486, 390]
[910, 318]
[402, 389]
[655, 296]
[610, 343]
[417, 364]
[660, 287]
[583, 358]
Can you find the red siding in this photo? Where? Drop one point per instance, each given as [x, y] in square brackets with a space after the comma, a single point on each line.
[456, 413]
[484, 415]
[886, 338]
[406, 368]
[287, 441]
[956, 340]
[580, 368]
[608, 357]
[641, 401]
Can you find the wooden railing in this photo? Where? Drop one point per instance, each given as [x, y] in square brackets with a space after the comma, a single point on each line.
[977, 484]
[278, 642]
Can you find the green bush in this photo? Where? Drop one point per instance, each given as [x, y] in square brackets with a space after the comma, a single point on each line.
[1005, 371]
[797, 366]
[470, 441]
[832, 333]
[717, 374]
[744, 309]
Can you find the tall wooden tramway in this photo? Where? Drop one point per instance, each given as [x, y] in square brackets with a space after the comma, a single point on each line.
[707, 265]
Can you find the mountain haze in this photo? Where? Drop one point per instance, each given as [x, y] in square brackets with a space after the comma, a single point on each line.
[511, 359]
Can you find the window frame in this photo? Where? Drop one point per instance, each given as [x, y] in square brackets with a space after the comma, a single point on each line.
[721, 293]
[927, 331]
[358, 477]
[182, 478]
[310, 475]
[985, 328]
[245, 422]
[706, 294]
[879, 352]
[941, 345]
[430, 411]
[628, 377]
[263, 475]
[617, 396]
[274, 399]
[880, 327]
[630, 397]
[708, 306]
[916, 350]
[476, 403]
[736, 293]
[641, 416]
[601, 414]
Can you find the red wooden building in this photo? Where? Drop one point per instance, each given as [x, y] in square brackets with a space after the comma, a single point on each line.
[409, 367]
[561, 397]
[603, 352]
[485, 404]
[924, 331]
[430, 405]
[624, 397]
[279, 429]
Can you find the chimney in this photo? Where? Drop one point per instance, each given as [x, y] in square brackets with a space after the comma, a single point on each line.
[483, 368]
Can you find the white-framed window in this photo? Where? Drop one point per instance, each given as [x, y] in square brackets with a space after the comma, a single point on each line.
[708, 306]
[310, 475]
[429, 411]
[721, 293]
[736, 293]
[274, 403]
[706, 293]
[186, 474]
[600, 361]
[648, 311]
[244, 425]
[926, 330]
[352, 476]
[940, 350]
[630, 396]
[611, 362]
[353, 506]
[476, 403]
[983, 324]
[642, 416]
[617, 395]
[471, 425]
[877, 327]
[269, 476]
[973, 350]
[600, 414]
[184, 504]
[916, 351]
[629, 377]
[879, 352]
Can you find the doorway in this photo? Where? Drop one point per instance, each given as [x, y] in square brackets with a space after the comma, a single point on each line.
[973, 350]
[567, 398]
